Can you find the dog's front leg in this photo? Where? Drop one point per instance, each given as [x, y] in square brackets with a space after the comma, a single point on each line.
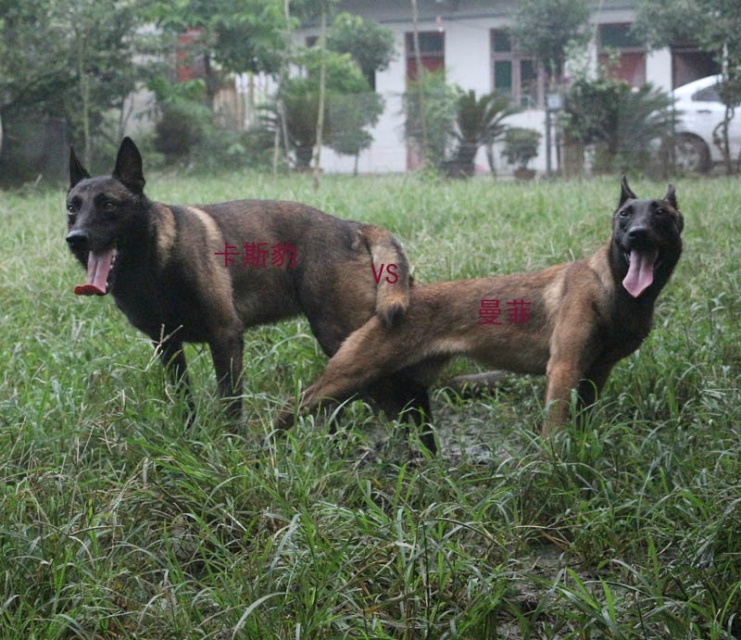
[571, 348]
[226, 352]
[591, 386]
[562, 378]
[173, 358]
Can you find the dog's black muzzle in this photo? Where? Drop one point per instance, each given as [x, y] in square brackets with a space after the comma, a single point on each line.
[78, 240]
[639, 237]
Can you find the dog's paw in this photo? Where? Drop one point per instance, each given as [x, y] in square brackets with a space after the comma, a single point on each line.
[392, 315]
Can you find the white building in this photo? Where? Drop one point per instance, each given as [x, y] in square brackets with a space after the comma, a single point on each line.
[468, 39]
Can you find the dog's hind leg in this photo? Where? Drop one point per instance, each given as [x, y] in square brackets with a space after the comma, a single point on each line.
[420, 412]
[173, 358]
[227, 356]
[402, 396]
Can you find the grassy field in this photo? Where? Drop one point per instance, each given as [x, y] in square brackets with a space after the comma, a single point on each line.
[116, 523]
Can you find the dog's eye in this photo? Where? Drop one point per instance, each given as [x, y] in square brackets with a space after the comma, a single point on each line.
[624, 213]
[71, 208]
[105, 203]
[660, 211]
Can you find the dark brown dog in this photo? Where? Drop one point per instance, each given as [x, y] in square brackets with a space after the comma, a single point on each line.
[572, 321]
[205, 274]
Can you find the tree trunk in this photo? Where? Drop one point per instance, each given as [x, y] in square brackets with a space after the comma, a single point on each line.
[322, 97]
[84, 84]
[419, 81]
[281, 126]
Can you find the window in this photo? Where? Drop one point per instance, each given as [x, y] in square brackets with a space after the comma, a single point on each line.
[631, 56]
[190, 64]
[513, 74]
[708, 94]
[431, 49]
[690, 63]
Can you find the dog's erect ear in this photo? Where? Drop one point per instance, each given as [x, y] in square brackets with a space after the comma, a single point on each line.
[129, 166]
[671, 196]
[76, 171]
[625, 191]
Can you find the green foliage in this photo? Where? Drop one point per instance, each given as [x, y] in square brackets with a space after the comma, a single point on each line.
[117, 522]
[247, 36]
[184, 118]
[301, 105]
[186, 132]
[661, 23]
[521, 146]
[369, 44]
[313, 9]
[547, 28]
[250, 40]
[350, 105]
[714, 25]
[348, 117]
[73, 60]
[343, 73]
[479, 121]
[430, 107]
[620, 122]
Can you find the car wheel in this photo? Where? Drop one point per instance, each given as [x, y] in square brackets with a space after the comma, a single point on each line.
[691, 154]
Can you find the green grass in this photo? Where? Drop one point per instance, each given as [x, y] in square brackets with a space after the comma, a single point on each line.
[117, 523]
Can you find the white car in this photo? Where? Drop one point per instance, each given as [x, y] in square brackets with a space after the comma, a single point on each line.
[700, 110]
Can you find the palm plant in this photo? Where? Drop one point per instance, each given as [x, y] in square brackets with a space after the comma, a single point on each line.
[621, 122]
[301, 104]
[479, 122]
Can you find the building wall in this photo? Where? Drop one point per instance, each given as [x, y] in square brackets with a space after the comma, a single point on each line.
[467, 25]
[467, 64]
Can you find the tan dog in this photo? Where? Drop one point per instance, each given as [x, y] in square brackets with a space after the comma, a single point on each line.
[208, 273]
[571, 321]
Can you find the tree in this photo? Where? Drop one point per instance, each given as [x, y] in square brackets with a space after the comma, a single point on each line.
[333, 83]
[344, 83]
[546, 29]
[350, 115]
[104, 43]
[430, 107]
[69, 60]
[714, 25]
[372, 48]
[370, 45]
[243, 37]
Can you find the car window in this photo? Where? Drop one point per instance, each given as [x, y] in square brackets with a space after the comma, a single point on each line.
[708, 94]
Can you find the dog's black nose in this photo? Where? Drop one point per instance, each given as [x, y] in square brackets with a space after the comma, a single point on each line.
[77, 239]
[638, 233]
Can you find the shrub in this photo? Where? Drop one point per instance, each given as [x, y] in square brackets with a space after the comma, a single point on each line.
[430, 107]
[521, 146]
[618, 121]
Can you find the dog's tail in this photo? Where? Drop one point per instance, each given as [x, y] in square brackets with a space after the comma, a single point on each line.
[391, 271]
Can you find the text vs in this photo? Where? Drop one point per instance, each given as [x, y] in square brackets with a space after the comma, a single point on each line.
[392, 270]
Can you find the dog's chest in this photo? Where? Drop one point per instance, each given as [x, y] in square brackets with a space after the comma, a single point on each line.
[626, 333]
[156, 306]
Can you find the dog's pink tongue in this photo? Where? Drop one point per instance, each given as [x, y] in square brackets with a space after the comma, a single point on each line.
[98, 268]
[640, 271]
